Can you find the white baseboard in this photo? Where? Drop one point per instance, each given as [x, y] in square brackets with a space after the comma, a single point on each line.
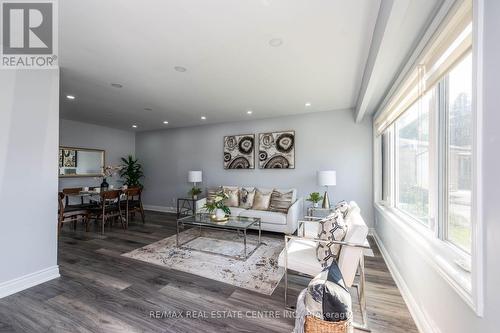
[423, 324]
[164, 209]
[27, 281]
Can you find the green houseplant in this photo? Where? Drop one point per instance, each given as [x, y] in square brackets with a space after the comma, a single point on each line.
[217, 208]
[131, 172]
[315, 198]
[194, 192]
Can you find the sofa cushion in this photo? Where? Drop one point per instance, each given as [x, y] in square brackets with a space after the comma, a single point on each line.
[280, 201]
[261, 200]
[246, 197]
[236, 211]
[332, 228]
[265, 216]
[233, 193]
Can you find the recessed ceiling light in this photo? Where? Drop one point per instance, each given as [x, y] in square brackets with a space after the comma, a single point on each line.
[203, 118]
[134, 126]
[249, 112]
[308, 104]
[180, 69]
[165, 122]
[275, 42]
[148, 109]
[70, 97]
[116, 85]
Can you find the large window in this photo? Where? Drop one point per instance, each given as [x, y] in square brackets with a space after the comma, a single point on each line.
[459, 154]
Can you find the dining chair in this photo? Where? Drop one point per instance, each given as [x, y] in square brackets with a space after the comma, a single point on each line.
[109, 209]
[133, 203]
[71, 214]
[72, 191]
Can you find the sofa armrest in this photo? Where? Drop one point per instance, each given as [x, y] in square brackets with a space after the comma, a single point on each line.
[293, 216]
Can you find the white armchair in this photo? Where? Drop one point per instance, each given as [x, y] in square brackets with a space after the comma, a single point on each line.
[299, 255]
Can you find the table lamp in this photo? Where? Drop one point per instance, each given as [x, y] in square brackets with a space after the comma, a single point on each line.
[195, 177]
[327, 178]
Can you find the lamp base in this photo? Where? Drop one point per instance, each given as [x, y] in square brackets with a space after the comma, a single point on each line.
[326, 201]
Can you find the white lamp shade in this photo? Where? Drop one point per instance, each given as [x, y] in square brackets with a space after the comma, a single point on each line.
[327, 178]
[194, 176]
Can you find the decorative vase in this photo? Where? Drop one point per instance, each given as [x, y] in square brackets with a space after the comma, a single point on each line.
[195, 196]
[219, 214]
[315, 204]
[104, 185]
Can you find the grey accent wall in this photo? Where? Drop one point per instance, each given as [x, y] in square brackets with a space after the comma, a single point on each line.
[29, 113]
[116, 143]
[444, 310]
[325, 140]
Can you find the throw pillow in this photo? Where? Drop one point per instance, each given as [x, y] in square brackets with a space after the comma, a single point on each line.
[261, 200]
[233, 193]
[212, 192]
[246, 197]
[327, 296]
[343, 206]
[280, 202]
[332, 228]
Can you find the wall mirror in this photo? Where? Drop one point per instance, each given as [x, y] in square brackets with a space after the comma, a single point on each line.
[81, 162]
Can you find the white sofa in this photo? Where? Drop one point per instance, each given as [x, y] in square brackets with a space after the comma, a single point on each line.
[270, 221]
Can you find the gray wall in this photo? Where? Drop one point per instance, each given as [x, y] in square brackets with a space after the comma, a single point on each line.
[326, 140]
[444, 308]
[116, 143]
[29, 113]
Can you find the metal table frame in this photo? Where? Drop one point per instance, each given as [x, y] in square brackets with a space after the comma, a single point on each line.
[207, 225]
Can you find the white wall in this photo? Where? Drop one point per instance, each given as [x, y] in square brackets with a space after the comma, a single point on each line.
[29, 113]
[116, 143]
[326, 140]
[438, 303]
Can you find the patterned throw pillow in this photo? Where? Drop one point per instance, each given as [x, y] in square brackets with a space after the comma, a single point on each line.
[344, 207]
[261, 200]
[246, 197]
[280, 202]
[233, 193]
[327, 296]
[332, 228]
[212, 192]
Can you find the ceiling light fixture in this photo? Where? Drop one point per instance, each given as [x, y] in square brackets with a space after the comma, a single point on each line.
[308, 104]
[116, 85]
[134, 126]
[249, 112]
[203, 118]
[180, 69]
[148, 109]
[275, 42]
[71, 97]
[165, 122]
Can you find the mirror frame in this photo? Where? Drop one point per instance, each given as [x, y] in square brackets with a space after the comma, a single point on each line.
[103, 162]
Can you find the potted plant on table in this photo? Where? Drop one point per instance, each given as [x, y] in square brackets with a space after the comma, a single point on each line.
[315, 198]
[217, 208]
[194, 192]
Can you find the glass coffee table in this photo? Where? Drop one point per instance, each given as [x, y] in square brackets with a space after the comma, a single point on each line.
[234, 223]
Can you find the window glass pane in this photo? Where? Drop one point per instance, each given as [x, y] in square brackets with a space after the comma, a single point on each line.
[459, 154]
[385, 166]
[413, 159]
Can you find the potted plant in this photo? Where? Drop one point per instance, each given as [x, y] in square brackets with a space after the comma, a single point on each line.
[216, 208]
[108, 171]
[194, 192]
[131, 172]
[315, 198]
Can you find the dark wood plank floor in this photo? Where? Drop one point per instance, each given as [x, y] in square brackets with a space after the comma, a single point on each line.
[100, 291]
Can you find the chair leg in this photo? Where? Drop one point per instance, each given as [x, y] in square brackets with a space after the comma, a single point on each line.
[142, 214]
[103, 221]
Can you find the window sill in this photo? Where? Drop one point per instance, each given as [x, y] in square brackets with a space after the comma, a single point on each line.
[440, 255]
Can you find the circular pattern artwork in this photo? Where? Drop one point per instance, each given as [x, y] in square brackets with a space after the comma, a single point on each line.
[239, 151]
[277, 150]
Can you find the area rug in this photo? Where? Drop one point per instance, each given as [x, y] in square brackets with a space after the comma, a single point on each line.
[259, 273]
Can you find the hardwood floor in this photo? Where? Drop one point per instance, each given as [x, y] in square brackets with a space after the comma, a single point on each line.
[101, 291]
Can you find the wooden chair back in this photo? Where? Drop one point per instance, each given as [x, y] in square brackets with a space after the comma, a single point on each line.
[71, 191]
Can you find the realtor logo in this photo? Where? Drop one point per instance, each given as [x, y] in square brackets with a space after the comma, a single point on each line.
[28, 34]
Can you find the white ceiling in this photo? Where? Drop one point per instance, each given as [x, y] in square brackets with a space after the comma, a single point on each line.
[224, 44]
